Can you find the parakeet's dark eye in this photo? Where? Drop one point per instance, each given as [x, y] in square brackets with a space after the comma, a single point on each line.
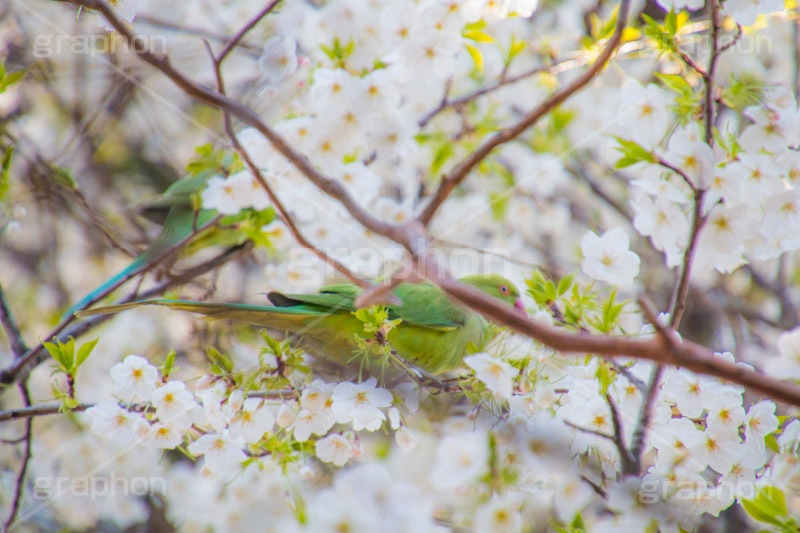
[503, 289]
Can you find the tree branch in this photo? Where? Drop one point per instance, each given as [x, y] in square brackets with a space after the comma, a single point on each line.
[256, 172]
[243, 31]
[630, 466]
[27, 453]
[15, 339]
[461, 101]
[462, 169]
[30, 412]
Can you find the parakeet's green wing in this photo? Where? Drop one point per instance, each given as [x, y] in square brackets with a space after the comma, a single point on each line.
[422, 305]
[179, 193]
[434, 333]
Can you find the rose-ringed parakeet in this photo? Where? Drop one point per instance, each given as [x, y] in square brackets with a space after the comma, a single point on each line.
[177, 209]
[434, 332]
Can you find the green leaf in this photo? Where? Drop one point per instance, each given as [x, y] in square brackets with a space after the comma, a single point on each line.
[69, 350]
[498, 202]
[550, 291]
[56, 353]
[632, 153]
[772, 443]
[768, 506]
[338, 53]
[207, 159]
[84, 351]
[663, 39]
[11, 79]
[671, 22]
[743, 93]
[478, 36]
[577, 523]
[604, 376]
[565, 283]
[676, 83]
[221, 364]
[166, 369]
[516, 47]
[475, 26]
[476, 55]
[67, 404]
[4, 168]
[440, 156]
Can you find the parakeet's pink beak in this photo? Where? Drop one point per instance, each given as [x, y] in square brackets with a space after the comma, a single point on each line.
[519, 305]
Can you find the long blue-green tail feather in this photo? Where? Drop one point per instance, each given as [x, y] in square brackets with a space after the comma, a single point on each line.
[259, 315]
[179, 224]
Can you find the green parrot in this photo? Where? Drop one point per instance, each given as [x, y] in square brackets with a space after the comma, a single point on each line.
[174, 210]
[433, 335]
[177, 211]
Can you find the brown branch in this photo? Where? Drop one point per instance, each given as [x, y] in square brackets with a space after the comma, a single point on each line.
[256, 172]
[243, 31]
[462, 169]
[630, 466]
[691, 63]
[589, 431]
[678, 300]
[710, 113]
[599, 191]
[150, 20]
[27, 453]
[732, 42]
[18, 347]
[645, 415]
[779, 289]
[461, 101]
[676, 352]
[31, 412]
[677, 303]
[666, 164]
[15, 339]
[382, 294]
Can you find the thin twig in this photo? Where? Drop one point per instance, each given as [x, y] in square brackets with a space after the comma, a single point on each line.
[19, 486]
[486, 89]
[710, 113]
[630, 466]
[678, 300]
[205, 34]
[594, 432]
[581, 172]
[18, 347]
[31, 412]
[666, 164]
[246, 28]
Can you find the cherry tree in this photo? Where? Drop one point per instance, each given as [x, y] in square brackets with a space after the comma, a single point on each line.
[631, 165]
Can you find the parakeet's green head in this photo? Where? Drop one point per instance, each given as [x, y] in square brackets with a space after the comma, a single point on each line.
[497, 286]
